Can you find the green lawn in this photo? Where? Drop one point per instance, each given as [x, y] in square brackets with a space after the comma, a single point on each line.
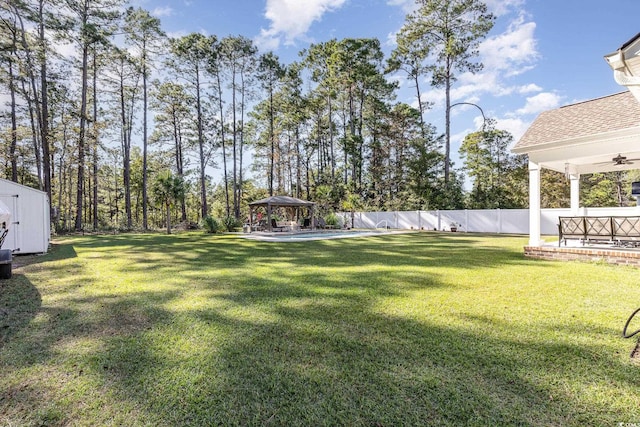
[415, 329]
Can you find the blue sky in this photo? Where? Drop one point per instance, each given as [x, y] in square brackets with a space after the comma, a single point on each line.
[541, 54]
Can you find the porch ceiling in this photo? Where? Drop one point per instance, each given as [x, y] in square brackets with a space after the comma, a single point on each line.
[595, 154]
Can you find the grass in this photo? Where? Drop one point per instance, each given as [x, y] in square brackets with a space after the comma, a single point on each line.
[416, 329]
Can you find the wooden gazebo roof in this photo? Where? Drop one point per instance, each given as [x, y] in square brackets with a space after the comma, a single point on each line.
[276, 201]
[280, 201]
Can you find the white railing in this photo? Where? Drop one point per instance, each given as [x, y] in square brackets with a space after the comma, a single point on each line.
[509, 221]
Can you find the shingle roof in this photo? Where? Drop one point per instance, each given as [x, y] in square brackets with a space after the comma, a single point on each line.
[281, 201]
[596, 116]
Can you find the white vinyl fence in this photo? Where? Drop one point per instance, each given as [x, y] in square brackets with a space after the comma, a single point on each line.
[510, 221]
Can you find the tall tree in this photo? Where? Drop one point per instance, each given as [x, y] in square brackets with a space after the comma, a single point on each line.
[449, 32]
[173, 105]
[497, 174]
[191, 54]
[270, 72]
[240, 61]
[125, 81]
[216, 69]
[92, 21]
[143, 32]
[607, 189]
[168, 190]
[9, 56]
[411, 60]
[321, 60]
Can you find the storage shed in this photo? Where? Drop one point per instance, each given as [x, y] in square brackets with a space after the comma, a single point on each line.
[30, 230]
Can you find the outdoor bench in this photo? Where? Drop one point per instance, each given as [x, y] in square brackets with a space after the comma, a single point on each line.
[591, 229]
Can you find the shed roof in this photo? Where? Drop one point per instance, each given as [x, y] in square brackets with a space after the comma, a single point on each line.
[6, 183]
[281, 201]
[583, 119]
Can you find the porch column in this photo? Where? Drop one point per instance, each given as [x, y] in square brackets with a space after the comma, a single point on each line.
[534, 204]
[575, 193]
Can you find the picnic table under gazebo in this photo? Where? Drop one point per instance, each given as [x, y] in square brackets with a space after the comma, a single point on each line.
[272, 202]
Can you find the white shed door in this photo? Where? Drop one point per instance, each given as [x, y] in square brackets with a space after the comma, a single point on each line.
[12, 241]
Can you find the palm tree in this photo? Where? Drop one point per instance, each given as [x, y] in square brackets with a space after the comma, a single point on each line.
[168, 189]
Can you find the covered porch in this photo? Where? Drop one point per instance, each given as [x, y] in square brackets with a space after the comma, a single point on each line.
[599, 135]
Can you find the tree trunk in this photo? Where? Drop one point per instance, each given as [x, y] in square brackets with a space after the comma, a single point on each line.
[203, 187]
[235, 146]
[168, 218]
[223, 142]
[144, 136]
[126, 153]
[44, 125]
[272, 140]
[447, 121]
[94, 194]
[82, 135]
[14, 123]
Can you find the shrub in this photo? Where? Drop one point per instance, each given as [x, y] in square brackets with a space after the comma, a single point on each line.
[231, 223]
[332, 220]
[210, 224]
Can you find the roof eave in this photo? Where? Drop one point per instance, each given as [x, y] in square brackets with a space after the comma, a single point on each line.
[582, 140]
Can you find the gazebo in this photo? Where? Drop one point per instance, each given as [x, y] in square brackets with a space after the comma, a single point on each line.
[280, 201]
[597, 135]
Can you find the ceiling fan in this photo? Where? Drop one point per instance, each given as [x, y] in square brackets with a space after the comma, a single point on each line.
[619, 160]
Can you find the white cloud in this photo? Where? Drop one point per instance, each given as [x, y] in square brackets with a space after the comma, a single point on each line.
[504, 55]
[529, 88]
[503, 7]
[540, 102]
[391, 40]
[432, 96]
[515, 126]
[291, 19]
[177, 34]
[407, 6]
[511, 50]
[162, 11]
[497, 7]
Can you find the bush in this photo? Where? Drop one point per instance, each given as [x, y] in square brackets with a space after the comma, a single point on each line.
[332, 220]
[210, 224]
[231, 223]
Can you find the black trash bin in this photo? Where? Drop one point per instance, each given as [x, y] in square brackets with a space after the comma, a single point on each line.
[5, 263]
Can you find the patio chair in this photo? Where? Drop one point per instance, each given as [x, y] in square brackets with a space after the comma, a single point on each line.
[260, 225]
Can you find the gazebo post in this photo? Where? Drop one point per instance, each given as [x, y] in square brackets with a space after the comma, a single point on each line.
[250, 218]
[313, 218]
[269, 217]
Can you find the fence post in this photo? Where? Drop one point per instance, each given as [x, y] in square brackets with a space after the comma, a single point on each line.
[466, 220]
[499, 221]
